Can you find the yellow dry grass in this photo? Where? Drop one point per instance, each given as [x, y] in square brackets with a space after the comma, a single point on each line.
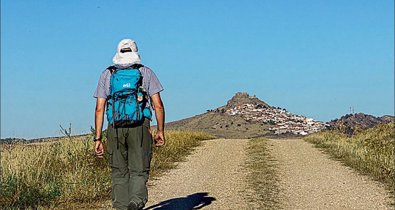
[263, 187]
[370, 151]
[66, 171]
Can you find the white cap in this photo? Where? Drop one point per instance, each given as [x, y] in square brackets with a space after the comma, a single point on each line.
[129, 57]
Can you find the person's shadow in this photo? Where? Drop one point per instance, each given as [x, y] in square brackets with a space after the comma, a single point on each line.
[194, 201]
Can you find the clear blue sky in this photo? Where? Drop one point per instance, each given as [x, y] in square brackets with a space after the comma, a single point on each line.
[314, 57]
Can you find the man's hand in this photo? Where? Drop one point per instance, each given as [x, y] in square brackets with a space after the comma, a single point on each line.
[159, 139]
[160, 119]
[99, 115]
[99, 148]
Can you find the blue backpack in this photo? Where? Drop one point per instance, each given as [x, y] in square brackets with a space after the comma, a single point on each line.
[127, 103]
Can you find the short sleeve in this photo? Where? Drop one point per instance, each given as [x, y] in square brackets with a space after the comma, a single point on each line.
[101, 91]
[152, 83]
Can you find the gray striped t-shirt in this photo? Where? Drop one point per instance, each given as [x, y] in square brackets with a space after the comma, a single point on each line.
[150, 83]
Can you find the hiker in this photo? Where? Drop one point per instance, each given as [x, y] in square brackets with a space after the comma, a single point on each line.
[128, 91]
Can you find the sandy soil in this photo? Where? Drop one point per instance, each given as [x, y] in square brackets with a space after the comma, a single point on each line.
[311, 180]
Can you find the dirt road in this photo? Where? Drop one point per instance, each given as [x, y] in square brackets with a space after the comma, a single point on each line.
[212, 177]
[311, 180]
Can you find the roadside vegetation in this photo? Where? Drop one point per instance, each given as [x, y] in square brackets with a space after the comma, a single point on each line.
[370, 152]
[263, 187]
[63, 173]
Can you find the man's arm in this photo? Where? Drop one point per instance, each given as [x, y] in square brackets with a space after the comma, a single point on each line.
[99, 118]
[160, 119]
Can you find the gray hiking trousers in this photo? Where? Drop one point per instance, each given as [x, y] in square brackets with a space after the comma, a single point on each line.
[130, 158]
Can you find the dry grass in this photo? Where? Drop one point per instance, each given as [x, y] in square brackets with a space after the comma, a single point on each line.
[178, 146]
[370, 152]
[263, 181]
[66, 172]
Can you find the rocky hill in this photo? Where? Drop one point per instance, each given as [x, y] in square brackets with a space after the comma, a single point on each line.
[240, 99]
[246, 116]
[352, 123]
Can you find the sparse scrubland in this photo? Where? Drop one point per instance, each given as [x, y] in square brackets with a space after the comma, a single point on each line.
[370, 152]
[262, 179]
[65, 173]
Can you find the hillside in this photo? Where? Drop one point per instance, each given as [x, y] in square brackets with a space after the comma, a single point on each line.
[353, 123]
[246, 116]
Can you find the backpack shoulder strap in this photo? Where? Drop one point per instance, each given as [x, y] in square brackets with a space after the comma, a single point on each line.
[112, 69]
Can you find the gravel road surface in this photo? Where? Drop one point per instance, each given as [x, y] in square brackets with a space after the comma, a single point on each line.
[311, 180]
[211, 178]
